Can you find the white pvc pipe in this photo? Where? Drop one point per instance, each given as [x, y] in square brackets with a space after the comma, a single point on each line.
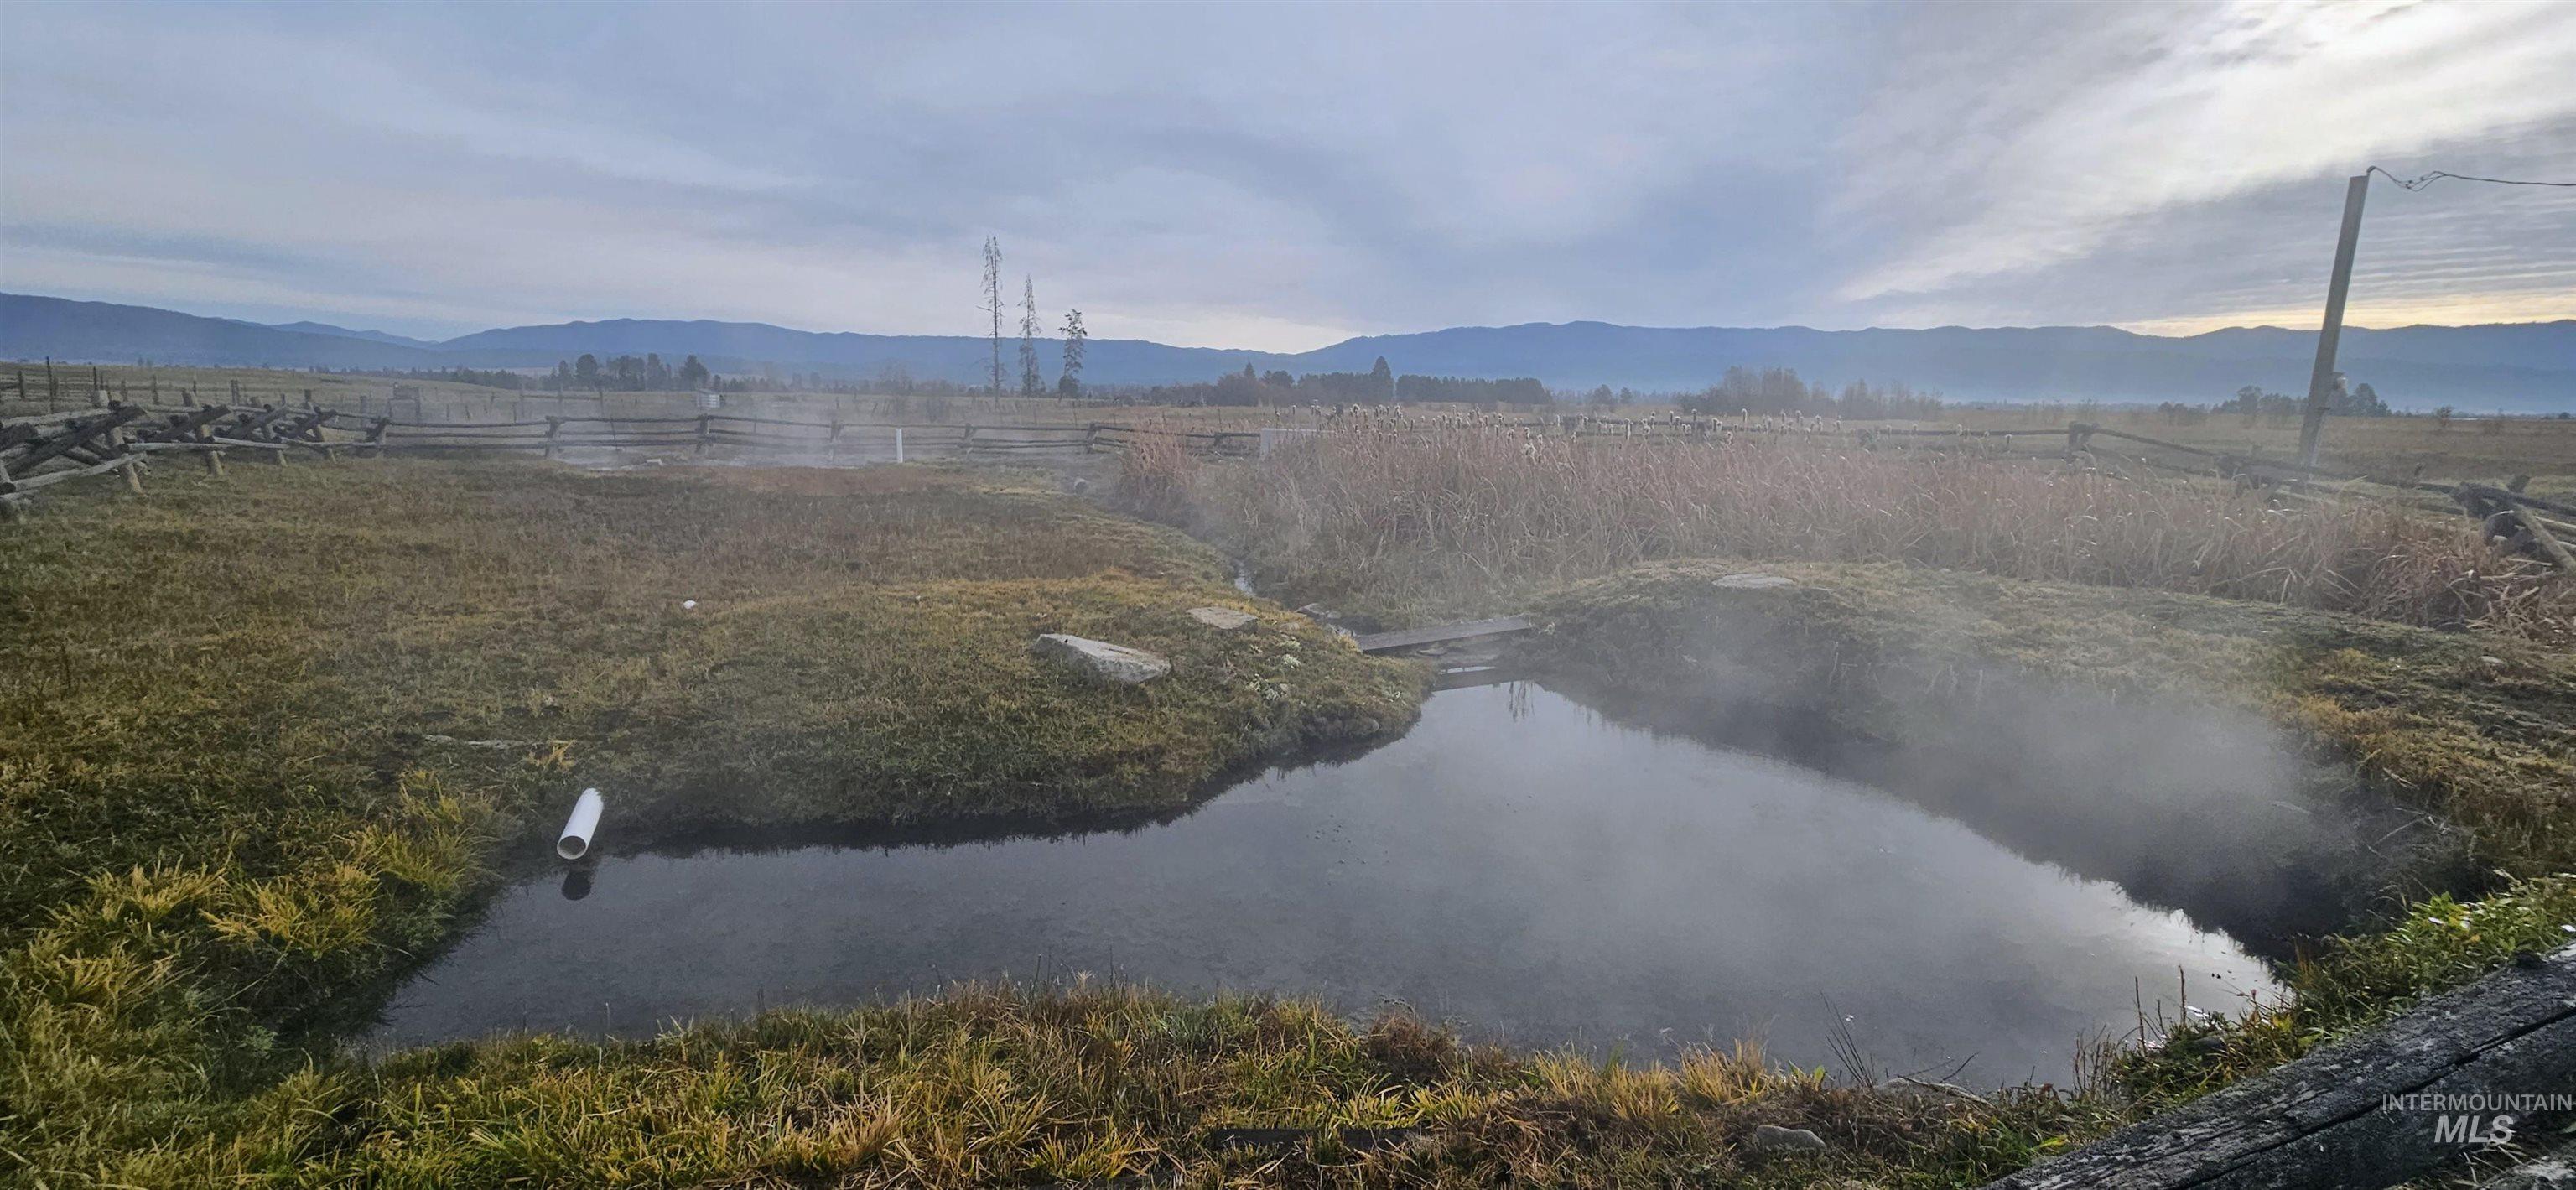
[578, 829]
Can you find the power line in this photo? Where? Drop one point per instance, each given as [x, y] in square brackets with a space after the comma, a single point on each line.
[2438, 175]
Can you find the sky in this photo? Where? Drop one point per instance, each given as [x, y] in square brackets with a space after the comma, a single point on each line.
[1280, 177]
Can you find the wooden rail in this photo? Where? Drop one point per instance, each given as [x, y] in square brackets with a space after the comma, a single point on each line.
[1410, 638]
[42, 450]
[2356, 1113]
[702, 431]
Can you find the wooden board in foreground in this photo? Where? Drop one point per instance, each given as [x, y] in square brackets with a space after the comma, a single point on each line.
[1380, 642]
[2407, 1098]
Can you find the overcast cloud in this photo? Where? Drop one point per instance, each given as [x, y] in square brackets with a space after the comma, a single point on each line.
[1280, 177]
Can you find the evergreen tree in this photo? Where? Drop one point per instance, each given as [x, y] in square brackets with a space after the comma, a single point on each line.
[1031, 382]
[1070, 382]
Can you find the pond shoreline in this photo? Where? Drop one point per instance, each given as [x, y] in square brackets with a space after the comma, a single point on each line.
[276, 842]
[1467, 870]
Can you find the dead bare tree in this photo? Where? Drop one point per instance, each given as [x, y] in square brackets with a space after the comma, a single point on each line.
[993, 305]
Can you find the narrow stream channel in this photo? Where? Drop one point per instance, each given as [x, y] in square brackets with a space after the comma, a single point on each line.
[1518, 864]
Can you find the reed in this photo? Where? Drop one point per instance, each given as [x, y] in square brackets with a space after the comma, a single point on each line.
[1411, 520]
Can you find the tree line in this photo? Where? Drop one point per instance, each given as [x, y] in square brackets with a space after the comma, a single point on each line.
[1379, 385]
[1743, 390]
[1771, 391]
[629, 374]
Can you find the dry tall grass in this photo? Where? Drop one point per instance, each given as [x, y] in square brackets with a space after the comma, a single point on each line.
[1414, 521]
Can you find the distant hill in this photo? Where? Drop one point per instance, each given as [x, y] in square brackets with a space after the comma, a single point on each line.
[100, 332]
[2523, 367]
[324, 328]
[2526, 367]
[746, 346]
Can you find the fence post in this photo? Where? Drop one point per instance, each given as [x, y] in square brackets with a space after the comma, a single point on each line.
[966, 441]
[834, 447]
[554, 426]
[236, 392]
[704, 426]
[898, 444]
[53, 386]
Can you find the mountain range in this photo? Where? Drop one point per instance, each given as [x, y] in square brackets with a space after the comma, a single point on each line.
[2517, 367]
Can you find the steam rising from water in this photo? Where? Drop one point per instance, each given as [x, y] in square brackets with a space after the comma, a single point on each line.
[1524, 865]
[2200, 807]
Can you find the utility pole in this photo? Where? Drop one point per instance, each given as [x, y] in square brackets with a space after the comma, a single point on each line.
[2321, 381]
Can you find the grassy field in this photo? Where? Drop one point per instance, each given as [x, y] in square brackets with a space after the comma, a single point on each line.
[228, 825]
[244, 783]
[238, 783]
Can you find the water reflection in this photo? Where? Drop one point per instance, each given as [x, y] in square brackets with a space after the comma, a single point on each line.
[1517, 863]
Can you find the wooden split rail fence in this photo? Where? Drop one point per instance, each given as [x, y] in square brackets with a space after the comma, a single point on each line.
[700, 433]
[44, 449]
[39, 451]
[2520, 521]
[72, 388]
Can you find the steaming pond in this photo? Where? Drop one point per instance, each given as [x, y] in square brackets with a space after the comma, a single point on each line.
[1518, 863]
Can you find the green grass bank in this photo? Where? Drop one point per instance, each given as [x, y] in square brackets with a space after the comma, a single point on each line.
[247, 774]
[265, 738]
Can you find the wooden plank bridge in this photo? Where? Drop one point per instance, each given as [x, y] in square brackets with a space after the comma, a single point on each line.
[1414, 638]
